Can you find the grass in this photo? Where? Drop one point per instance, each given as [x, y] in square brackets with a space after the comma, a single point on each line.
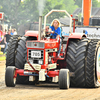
[1, 53]
[2, 57]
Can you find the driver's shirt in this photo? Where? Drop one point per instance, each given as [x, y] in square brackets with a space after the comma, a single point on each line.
[58, 31]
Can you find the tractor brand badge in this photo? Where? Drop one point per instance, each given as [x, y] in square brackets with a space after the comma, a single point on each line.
[51, 45]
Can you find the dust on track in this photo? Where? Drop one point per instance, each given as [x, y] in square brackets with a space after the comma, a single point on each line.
[44, 91]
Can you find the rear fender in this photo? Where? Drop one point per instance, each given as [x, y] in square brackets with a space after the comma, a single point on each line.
[77, 36]
[74, 36]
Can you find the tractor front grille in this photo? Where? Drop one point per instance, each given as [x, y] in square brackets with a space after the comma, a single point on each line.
[35, 60]
[35, 44]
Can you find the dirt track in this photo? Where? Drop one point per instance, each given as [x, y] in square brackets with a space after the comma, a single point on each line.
[44, 91]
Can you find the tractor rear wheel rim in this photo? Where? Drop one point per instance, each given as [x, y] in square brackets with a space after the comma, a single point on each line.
[98, 65]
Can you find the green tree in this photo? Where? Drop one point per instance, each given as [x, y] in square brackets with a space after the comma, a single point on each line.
[19, 13]
[12, 9]
[22, 12]
[61, 5]
[53, 5]
[79, 3]
[95, 3]
[69, 5]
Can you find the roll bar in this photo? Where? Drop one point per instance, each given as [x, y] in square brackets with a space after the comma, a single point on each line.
[45, 18]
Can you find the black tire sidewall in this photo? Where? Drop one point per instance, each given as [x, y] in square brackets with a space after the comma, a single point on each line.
[9, 76]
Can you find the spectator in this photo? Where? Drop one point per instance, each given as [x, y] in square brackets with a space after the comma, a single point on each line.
[12, 32]
[1, 36]
[5, 32]
[15, 33]
[84, 31]
[6, 39]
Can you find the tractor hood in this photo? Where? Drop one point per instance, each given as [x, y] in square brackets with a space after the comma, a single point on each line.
[47, 44]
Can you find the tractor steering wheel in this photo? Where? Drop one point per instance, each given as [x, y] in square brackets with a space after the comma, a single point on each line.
[47, 36]
[53, 36]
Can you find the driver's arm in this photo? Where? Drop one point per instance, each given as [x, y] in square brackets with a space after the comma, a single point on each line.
[57, 37]
[50, 31]
[51, 28]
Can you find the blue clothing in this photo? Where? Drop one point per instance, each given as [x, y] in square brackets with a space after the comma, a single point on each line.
[58, 30]
[86, 32]
[5, 47]
[11, 33]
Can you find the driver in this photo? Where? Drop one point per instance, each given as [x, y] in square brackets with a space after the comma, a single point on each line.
[55, 29]
[56, 32]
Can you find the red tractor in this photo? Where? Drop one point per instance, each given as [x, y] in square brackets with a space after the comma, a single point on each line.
[32, 59]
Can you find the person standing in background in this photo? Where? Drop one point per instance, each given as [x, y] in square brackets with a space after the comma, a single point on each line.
[5, 32]
[15, 33]
[1, 34]
[12, 32]
[84, 31]
[6, 39]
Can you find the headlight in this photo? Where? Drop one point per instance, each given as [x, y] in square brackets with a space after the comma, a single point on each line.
[40, 62]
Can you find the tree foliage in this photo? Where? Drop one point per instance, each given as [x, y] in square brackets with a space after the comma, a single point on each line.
[28, 11]
[79, 3]
[95, 3]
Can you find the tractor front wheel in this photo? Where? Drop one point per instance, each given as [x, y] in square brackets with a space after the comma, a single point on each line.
[64, 79]
[9, 76]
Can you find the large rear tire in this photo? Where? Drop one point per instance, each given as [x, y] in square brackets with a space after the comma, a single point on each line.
[93, 64]
[11, 50]
[21, 57]
[83, 58]
[75, 58]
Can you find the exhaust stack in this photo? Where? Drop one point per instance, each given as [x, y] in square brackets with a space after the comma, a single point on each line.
[40, 27]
